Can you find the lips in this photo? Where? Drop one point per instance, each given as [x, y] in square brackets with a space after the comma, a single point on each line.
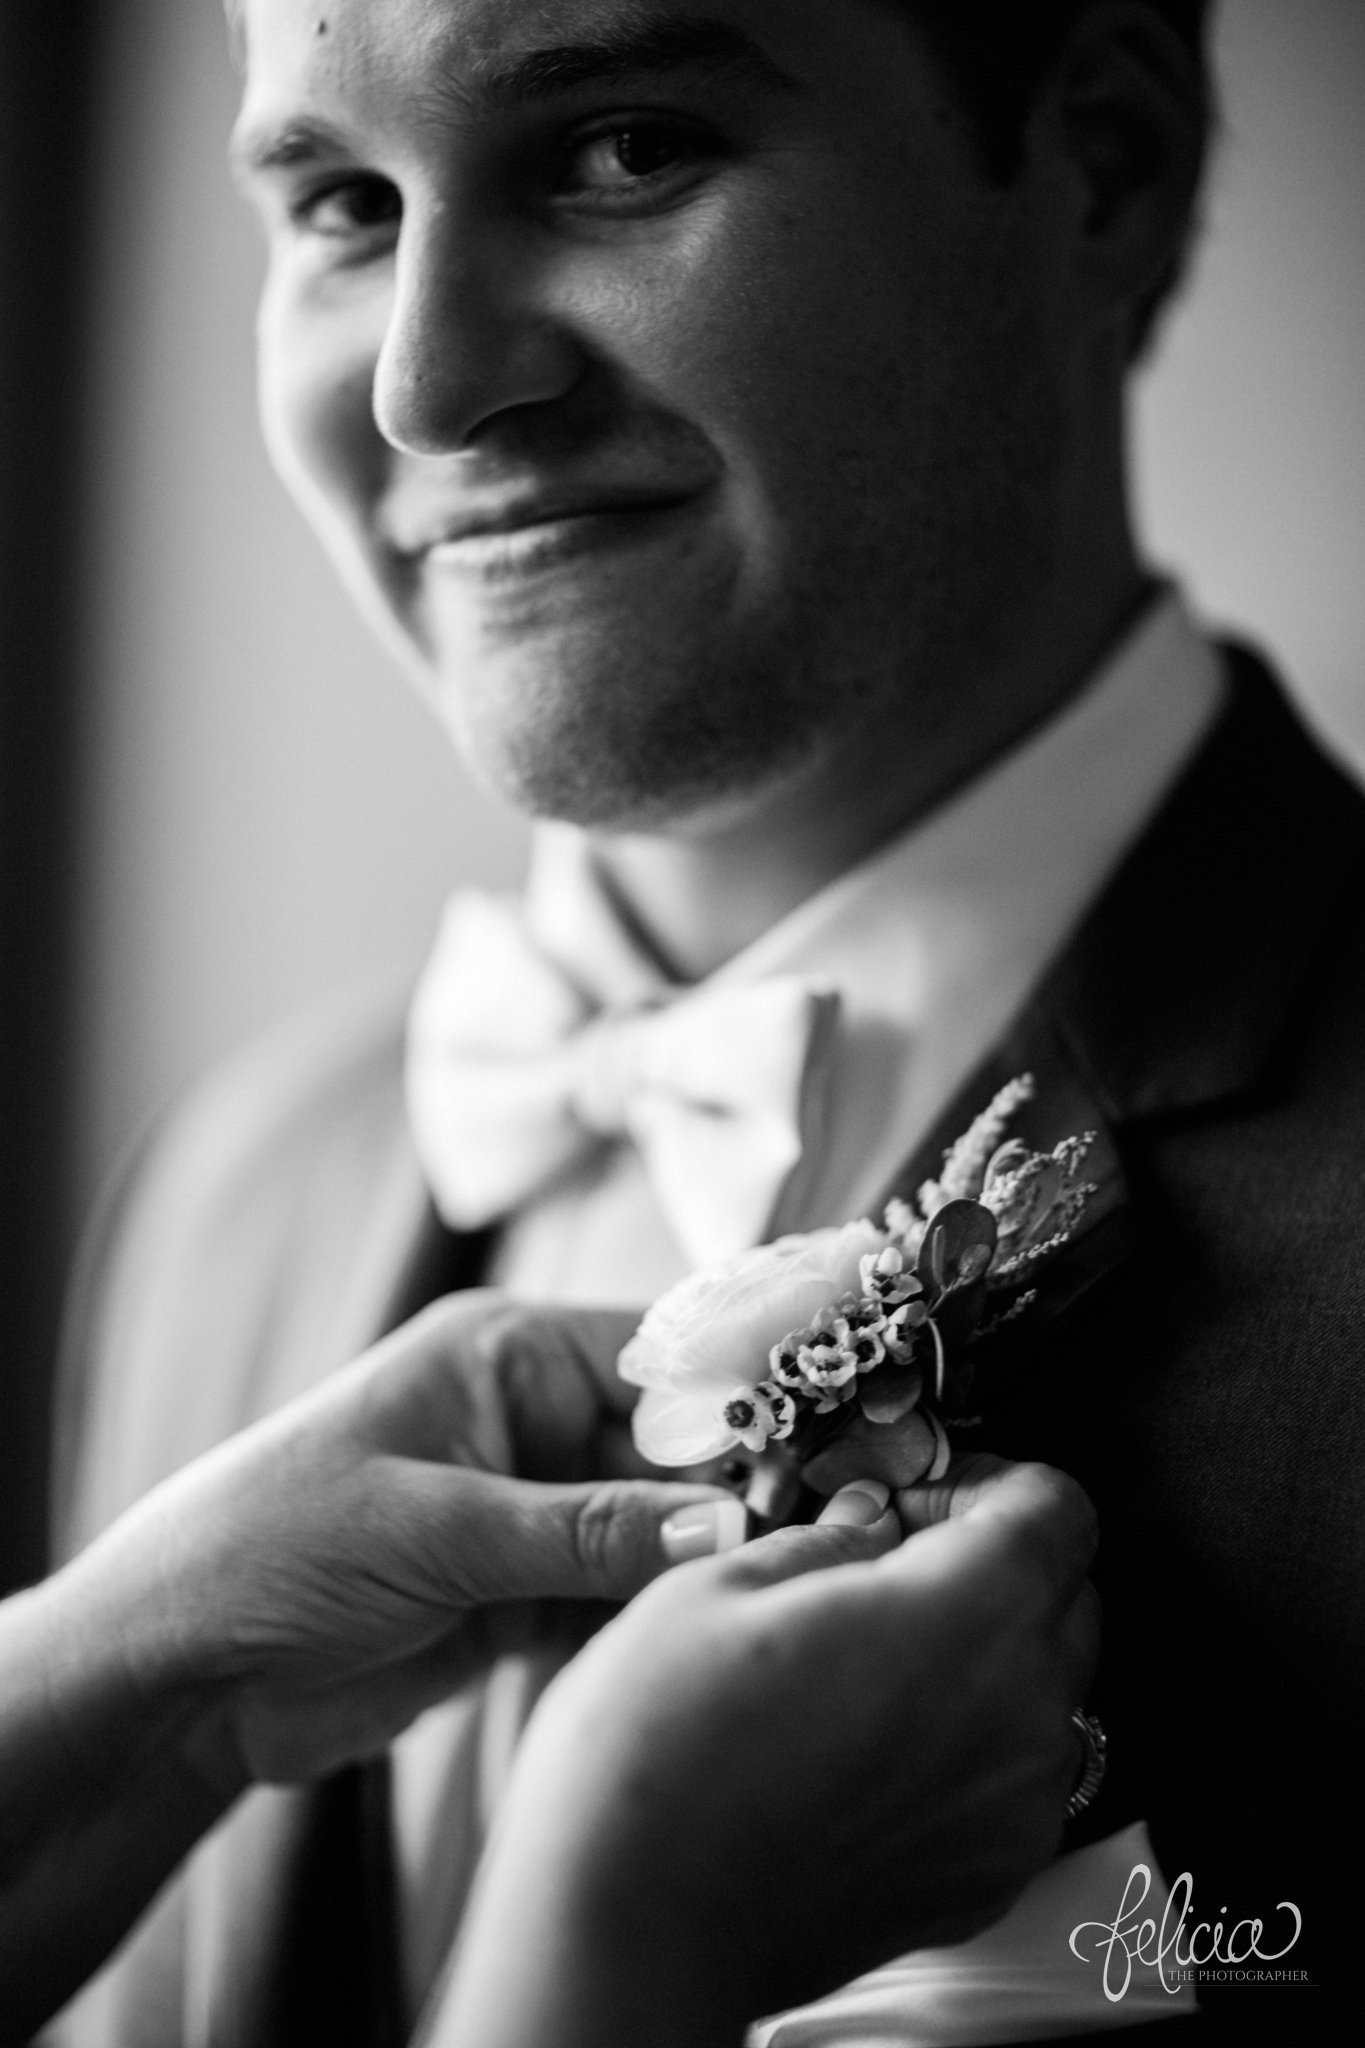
[470, 527]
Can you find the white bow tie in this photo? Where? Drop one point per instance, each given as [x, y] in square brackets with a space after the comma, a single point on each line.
[511, 1078]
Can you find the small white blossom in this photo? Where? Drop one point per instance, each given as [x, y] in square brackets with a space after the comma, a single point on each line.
[826, 1364]
[782, 1407]
[750, 1418]
[826, 1311]
[901, 1329]
[714, 1333]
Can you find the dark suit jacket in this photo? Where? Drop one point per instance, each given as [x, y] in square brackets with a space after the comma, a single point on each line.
[1196, 1362]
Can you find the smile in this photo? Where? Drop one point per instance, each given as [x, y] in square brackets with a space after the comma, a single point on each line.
[536, 546]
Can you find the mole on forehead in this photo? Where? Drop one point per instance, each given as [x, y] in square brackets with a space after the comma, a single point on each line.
[483, 52]
[485, 35]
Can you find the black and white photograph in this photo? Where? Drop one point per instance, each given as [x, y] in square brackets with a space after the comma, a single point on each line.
[682, 978]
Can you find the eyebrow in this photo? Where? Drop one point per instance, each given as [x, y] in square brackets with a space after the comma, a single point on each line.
[681, 44]
[256, 151]
[684, 43]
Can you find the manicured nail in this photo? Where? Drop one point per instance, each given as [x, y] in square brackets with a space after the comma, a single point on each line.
[857, 1505]
[706, 1529]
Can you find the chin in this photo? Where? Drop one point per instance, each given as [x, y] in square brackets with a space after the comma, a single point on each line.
[579, 773]
[622, 749]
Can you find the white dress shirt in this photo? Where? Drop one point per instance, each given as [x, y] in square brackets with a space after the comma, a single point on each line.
[933, 944]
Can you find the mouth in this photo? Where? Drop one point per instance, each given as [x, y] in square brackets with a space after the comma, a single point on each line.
[531, 538]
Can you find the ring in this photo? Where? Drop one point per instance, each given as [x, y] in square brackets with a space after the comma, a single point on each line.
[1095, 1743]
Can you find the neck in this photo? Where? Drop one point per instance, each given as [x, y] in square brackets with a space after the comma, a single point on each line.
[706, 888]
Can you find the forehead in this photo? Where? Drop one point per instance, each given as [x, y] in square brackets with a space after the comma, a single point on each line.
[326, 40]
[417, 57]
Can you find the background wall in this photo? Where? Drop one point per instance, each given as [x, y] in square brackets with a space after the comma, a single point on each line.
[267, 814]
[47, 79]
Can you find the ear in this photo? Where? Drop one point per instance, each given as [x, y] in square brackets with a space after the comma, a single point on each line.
[1125, 114]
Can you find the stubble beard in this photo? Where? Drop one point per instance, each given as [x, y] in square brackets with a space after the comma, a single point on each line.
[618, 738]
[885, 638]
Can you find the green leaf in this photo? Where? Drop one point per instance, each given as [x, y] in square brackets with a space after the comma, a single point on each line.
[890, 1392]
[953, 1262]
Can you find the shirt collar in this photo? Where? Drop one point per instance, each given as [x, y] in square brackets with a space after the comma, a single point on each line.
[935, 940]
[1020, 847]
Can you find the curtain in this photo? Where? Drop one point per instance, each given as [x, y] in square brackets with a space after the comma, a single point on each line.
[46, 75]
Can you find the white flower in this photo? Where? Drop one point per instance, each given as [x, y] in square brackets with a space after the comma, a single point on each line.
[706, 1343]
[900, 1329]
[759, 1413]
[829, 1363]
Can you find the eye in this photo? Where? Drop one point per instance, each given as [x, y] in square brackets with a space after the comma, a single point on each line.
[359, 205]
[644, 157]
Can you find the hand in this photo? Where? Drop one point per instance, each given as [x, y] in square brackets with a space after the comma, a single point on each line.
[897, 1453]
[325, 1576]
[780, 1768]
[291, 1601]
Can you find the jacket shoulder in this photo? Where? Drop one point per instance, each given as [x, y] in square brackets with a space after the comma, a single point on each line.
[249, 1247]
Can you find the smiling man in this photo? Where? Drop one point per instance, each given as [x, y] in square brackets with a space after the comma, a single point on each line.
[721, 447]
[720, 412]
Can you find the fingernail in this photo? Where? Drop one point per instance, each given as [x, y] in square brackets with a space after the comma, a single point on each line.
[857, 1505]
[706, 1529]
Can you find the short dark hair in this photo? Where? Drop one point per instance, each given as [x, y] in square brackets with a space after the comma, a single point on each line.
[997, 53]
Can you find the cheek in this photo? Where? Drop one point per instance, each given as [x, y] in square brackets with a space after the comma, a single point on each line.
[316, 380]
[863, 381]
[788, 339]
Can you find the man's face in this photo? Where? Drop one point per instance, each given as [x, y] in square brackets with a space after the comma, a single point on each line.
[668, 380]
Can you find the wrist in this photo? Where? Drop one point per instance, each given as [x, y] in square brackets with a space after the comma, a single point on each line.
[582, 1930]
[104, 1787]
[130, 1693]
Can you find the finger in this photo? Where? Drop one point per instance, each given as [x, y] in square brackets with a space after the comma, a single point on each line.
[1034, 1503]
[854, 1528]
[966, 1481]
[526, 1387]
[1038, 1506]
[593, 1338]
[898, 1453]
[858, 1505]
[513, 1539]
[1031, 1525]
[417, 1389]
[711, 1528]
[555, 1369]
[714, 1528]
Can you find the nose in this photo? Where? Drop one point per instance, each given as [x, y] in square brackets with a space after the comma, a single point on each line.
[470, 335]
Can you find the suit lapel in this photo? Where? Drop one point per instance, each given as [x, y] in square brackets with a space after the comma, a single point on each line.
[1179, 986]
[1176, 990]
[1064, 1105]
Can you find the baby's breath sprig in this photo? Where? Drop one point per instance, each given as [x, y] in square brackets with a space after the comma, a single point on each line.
[978, 1232]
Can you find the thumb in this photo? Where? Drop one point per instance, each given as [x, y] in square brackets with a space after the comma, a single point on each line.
[969, 1480]
[855, 1527]
[1001, 1511]
[519, 1540]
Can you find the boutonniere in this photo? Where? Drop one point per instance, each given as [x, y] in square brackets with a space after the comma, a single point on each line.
[865, 1332]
